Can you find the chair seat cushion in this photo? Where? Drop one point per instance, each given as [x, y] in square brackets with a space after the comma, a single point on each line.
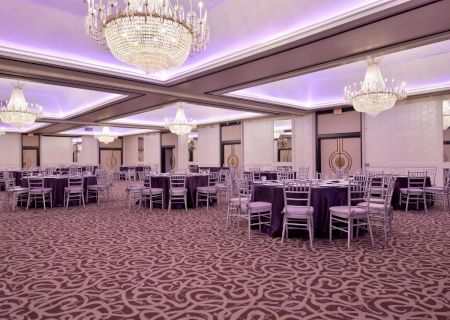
[372, 205]
[257, 206]
[153, 191]
[347, 212]
[237, 200]
[18, 190]
[73, 189]
[298, 211]
[434, 189]
[210, 189]
[40, 190]
[178, 190]
[97, 187]
[411, 190]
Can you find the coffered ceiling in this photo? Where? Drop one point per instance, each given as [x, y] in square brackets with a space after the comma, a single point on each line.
[266, 57]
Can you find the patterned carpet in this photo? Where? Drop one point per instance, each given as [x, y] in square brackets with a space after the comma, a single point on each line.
[109, 262]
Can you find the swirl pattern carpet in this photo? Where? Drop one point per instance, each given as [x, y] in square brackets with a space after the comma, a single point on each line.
[108, 262]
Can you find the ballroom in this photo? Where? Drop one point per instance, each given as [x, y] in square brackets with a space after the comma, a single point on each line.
[225, 159]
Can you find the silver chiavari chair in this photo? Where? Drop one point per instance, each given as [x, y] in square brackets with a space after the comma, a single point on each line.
[415, 192]
[177, 191]
[74, 190]
[209, 192]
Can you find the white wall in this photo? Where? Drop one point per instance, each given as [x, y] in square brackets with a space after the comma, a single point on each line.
[408, 135]
[258, 143]
[130, 150]
[183, 153]
[10, 150]
[89, 152]
[152, 150]
[208, 148]
[304, 143]
[56, 151]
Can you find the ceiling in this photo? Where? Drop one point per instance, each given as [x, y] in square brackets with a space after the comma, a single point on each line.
[54, 30]
[92, 130]
[265, 58]
[424, 69]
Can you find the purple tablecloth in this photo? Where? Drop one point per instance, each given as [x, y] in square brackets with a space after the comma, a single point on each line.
[322, 198]
[58, 184]
[211, 169]
[137, 168]
[192, 182]
[271, 175]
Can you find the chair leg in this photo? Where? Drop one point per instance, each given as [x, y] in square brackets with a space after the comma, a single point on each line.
[311, 232]
[228, 217]
[331, 227]
[170, 202]
[369, 225]
[43, 200]
[82, 198]
[249, 224]
[349, 232]
[185, 202]
[284, 229]
[407, 203]
[425, 202]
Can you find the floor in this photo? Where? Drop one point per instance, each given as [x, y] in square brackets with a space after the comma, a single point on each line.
[108, 262]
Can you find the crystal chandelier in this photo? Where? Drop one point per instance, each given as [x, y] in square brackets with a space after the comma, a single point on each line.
[446, 115]
[181, 125]
[17, 112]
[105, 136]
[150, 34]
[375, 94]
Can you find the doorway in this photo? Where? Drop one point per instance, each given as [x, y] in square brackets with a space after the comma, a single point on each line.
[230, 155]
[340, 153]
[167, 159]
[30, 157]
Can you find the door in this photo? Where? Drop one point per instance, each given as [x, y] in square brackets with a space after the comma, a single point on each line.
[30, 158]
[340, 154]
[111, 159]
[167, 159]
[231, 155]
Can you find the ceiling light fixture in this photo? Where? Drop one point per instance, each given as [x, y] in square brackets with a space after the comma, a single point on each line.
[152, 35]
[181, 125]
[375, 94]
[17, 112]
[105, 136]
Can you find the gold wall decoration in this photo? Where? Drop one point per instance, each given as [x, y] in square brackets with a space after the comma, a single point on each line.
[172, 162]
[340, 160]
[233, 161]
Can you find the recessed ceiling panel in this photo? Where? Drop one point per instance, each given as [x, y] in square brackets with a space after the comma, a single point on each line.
[423, 69]
[200, 114]
[88, 131]
[58, 101]
[54, 30]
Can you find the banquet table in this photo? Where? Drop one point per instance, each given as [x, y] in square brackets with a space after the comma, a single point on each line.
[137, 168]
[58, 183]
[270, 175]
[322, 198]
[192, 182]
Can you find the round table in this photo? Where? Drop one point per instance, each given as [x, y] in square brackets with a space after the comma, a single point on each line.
[322, 198]
[192, 183]
[402, 182]
[58, 184]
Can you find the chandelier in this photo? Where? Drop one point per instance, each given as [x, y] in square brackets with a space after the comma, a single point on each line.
[446, 115]
[2, 131]
[150, 34]
[17, 112]
[375, 94]
[181, 125]
[105, 136]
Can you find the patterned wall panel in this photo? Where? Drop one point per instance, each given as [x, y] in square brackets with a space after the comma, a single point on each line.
[258, 143]
[152, 150]
[304, 142]
[56, 150]
[409, 134]
[12, 158]
[89, 152]
[209, 146]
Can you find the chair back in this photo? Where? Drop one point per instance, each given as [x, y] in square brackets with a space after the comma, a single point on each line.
[297, 193]
[10, 184]
[417, 179]
[431, 173]
[341, 174]
[247, 175]
[223, 175]
[177, 181]
[358, 191]
[76, 181]
[285, 175]
[213, 179]
[303, 173]
[35, 183]
[204, 170]
[243, 188]
[446, 180]
[102, 178]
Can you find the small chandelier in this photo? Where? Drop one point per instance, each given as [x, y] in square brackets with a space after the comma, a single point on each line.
[152, 35]
[181, 125]
[375, 94]
[2, 131]
[446, 115]
[17, 112]
[105, 136]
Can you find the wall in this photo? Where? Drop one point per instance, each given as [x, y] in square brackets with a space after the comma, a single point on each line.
[408, 135]
[56, 151]
[10, 150]
[130, 150]
[208, 153]
[304, 143]
[152, 150]
[258, 143]
[89, 152]
[183, 153]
